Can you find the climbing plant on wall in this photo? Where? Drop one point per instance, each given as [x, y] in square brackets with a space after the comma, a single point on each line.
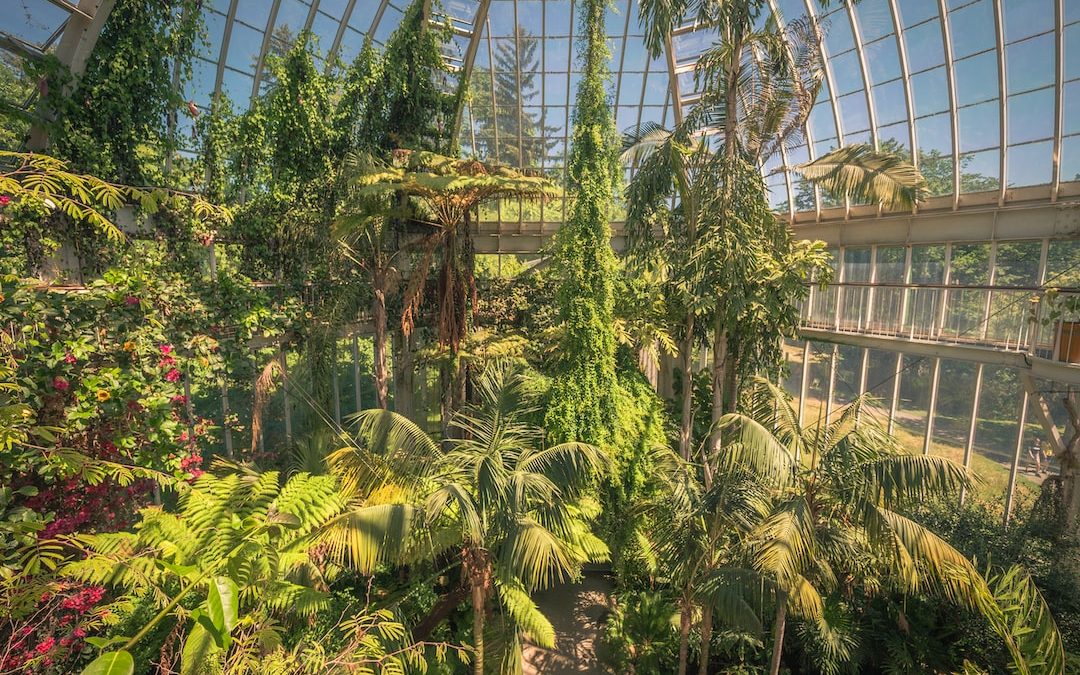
[581, 404]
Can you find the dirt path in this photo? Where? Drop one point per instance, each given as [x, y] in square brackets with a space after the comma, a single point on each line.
[577, 611]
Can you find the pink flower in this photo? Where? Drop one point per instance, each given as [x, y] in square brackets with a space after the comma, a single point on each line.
[131, 300]
[79, 632]
[179, 399]
[46, 645]
[60, 384]
[165, 349]
[69, 358]
[166, 362]
[4, 200]
[173, 375]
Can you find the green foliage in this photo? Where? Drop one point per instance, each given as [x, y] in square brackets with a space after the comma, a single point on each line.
[114, 121]
[582, 401]
[641, 634]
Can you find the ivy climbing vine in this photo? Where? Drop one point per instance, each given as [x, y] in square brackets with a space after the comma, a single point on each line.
[581, 403]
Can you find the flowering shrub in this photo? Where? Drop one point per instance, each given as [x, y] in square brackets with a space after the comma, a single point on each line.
[54, 632]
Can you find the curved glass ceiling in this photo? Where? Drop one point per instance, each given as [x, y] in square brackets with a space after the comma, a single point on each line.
[983, 94]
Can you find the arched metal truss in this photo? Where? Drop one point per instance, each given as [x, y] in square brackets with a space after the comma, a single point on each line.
[984, 95]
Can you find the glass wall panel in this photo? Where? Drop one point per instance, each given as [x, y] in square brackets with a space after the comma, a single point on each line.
[914, 402]
[1017, 264]
[952, 416]
[848, 372]
[818, 385]
[853, 299]
[928, 268]
[888, 301]
[965, 307]
[793, 356]
[995, 432]
[880, 375]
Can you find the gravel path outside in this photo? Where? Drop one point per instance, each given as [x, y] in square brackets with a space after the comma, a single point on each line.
[578, 612]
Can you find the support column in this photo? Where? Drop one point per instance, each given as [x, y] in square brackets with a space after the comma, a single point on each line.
[805, 381]
[1016, 459]
[356, 372]
[336, 385]
[895, 392]
[931, 411]
[969, 446]
[287, 404]
[832, 384]
[1042, 411]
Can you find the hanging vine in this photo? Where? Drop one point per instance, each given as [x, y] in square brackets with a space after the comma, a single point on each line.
[582, 396]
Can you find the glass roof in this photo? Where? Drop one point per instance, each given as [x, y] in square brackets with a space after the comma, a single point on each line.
[984, 95]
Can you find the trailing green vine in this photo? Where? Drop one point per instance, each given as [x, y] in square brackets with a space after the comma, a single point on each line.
[581, 405]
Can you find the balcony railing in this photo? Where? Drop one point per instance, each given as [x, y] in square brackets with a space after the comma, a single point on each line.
[1021, 319]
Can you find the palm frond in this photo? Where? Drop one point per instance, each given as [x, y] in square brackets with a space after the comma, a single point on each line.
[863, 174]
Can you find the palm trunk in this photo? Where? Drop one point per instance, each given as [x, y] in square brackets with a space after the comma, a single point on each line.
[706, 638]
[719, 363]
[378, 315]
[778, 632]
[686, 428]
[731, 382]
[478, 628]
[684, 635]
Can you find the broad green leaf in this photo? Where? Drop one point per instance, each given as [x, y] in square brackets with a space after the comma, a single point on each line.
[111, 663]
[199, 650]
[222, 603]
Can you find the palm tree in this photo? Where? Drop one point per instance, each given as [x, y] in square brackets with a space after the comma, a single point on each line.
[516, 511]
[845, 496]
[759, 86]
[671, 162]
[369, 241]
[697, 532]
[442, 193]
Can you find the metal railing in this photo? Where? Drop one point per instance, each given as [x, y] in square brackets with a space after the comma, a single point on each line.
[1033, 320]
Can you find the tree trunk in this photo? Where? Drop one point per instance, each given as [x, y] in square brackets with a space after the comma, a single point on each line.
[731, 382]
[778, 632]
[719, 363]
[706, 639]
[478, 628]
[446, 406]
[444, 606]
[686, 427]
[684, 635]
[1070, 476]
[378, 316]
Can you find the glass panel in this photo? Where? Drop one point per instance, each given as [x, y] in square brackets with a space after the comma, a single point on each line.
[875, 19]
[1030, 65]
[952, 417]
[1030, 164]
[882, 60]
[818, 383]
[1031, 116]
[914, 401]
[995, 432]
[880, 374]
[793, 355]
[979, 126]
[1063, 263]
[972, 29]
[980, 171]
[976, 79]
[848, 373]
[924, 46]
[1024, 18]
